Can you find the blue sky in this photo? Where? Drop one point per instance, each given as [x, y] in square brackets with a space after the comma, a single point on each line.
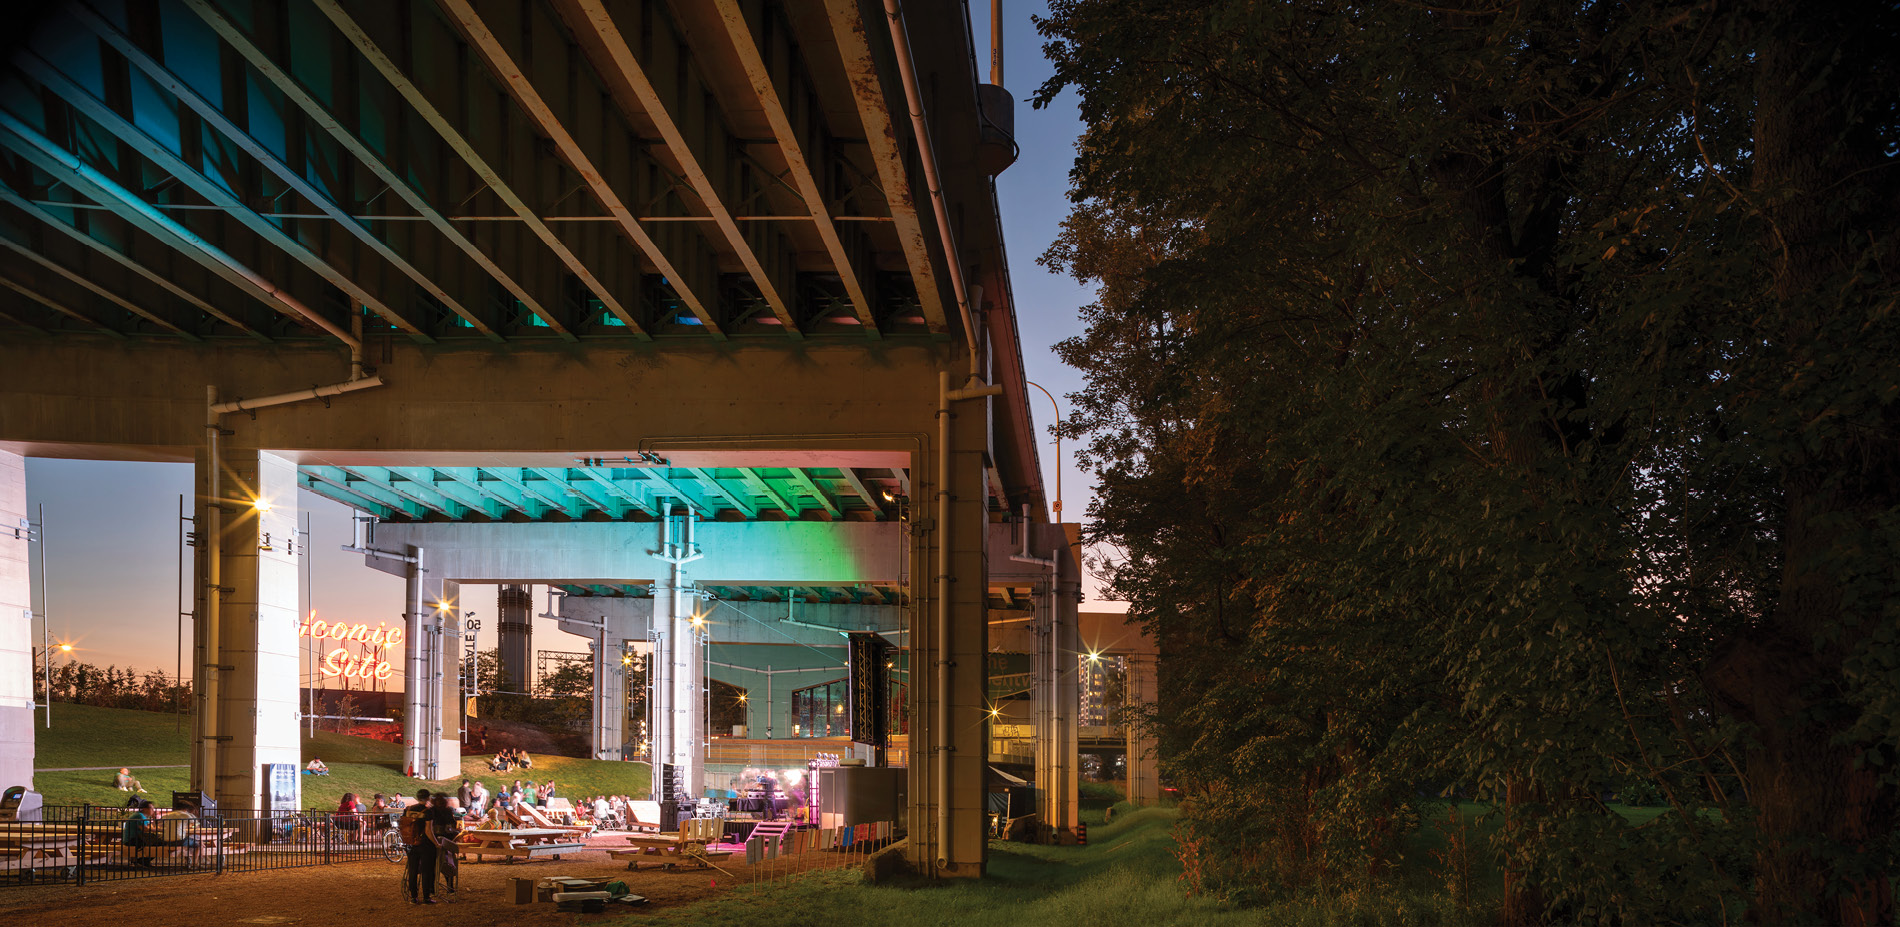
[111, 525]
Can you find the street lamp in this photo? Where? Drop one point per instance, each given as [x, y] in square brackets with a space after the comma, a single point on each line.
[1058, 408]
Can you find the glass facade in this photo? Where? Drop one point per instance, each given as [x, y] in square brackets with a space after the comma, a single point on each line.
[819, 711]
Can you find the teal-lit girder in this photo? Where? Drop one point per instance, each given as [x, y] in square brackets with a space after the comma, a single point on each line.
[857, 594]
[400, 494]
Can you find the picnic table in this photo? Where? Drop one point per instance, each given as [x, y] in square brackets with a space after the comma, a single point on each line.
[25, 852]
[669, 850]
[511, 843]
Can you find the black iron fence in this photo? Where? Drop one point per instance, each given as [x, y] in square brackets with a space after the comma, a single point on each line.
[90, 843]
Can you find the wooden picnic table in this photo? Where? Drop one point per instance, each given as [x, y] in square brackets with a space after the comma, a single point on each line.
[26, 852]
[689, 844]
[519, 842]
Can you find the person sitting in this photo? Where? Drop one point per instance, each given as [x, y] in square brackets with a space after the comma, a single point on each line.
[138, 831]
[349, 817]
[521, 756]
[316, 768]
[124, 781]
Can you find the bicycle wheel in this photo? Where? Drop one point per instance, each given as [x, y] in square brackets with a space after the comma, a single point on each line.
[393, 849]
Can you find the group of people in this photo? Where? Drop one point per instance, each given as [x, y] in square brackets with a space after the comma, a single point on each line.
[170, 830]
[475, 798]
[509, 758]
[605, 811]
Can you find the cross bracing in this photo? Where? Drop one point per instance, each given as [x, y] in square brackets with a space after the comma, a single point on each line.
[442, 170]
[855, 594]
[497, 493]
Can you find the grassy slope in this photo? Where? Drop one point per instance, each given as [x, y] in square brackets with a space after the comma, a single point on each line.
[85, 736]
[1126, 875]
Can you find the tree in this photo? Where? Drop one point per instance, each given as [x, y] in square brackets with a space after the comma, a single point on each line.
[1487, 398]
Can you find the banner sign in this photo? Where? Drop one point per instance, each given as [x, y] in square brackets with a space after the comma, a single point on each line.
[366, 662]
[869, 705]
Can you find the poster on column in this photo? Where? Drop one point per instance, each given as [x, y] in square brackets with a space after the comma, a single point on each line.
[280, 784]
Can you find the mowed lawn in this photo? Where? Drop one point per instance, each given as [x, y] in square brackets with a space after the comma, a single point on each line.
[1127, 874]
[85, 736]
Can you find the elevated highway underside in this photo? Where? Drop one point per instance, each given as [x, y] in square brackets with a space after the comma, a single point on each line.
[563, 265]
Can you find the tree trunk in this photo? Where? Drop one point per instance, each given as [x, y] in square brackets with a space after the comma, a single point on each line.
[1819, 73]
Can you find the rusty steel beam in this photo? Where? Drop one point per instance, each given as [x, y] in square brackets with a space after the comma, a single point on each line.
[49, 302]
[267, 66]
[123, 259]
[746, 41]
[601, 39]
[216, 118]
[502, 62]
[170, 162]
[464, 147]
[89, 182]
[880, 135]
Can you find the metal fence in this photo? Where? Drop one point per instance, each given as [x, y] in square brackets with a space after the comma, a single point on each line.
[90, 843]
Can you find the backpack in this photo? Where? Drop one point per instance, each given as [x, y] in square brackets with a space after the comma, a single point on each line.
[415, 825]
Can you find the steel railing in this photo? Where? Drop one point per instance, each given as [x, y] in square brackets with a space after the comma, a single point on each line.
[89, 843]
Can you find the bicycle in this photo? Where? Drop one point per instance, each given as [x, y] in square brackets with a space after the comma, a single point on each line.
[393, 848]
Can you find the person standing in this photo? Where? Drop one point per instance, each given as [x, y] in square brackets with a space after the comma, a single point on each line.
[421, 848]
[444, 833]
[464, 794]
[478, 799]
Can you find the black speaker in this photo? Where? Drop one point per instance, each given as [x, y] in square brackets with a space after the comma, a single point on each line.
[669, 815]
[196, 802]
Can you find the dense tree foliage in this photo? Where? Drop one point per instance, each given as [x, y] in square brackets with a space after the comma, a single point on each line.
[1501, 400]
[113, 687]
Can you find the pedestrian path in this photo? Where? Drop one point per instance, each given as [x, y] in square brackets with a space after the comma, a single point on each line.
[85, 768]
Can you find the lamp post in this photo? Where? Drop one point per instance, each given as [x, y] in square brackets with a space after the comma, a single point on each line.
[1058, 436]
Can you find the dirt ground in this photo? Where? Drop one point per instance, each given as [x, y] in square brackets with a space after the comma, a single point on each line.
[370, 893]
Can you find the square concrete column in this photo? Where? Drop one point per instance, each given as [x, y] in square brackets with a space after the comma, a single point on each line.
[610, 696]
[948, 818]
[1144, 785]
[16, 628]
[258, 612]
[432, 688]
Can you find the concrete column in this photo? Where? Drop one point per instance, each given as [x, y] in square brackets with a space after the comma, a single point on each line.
[515, 636]
[16, 627]
[415, 649]
[259, 611]
[1144, 785]
[446, 654]
[610, 696]
[611, 624]
[679, 697]
[432, 716]
[1068, 645]
[959, 849]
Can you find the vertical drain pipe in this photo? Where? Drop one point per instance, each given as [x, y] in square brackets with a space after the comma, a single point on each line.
[943, 620]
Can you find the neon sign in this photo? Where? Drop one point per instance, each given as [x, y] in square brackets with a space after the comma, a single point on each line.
[368, 664]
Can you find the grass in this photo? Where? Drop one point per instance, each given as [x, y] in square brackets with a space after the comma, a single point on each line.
[82, 735]
[1126, 875]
